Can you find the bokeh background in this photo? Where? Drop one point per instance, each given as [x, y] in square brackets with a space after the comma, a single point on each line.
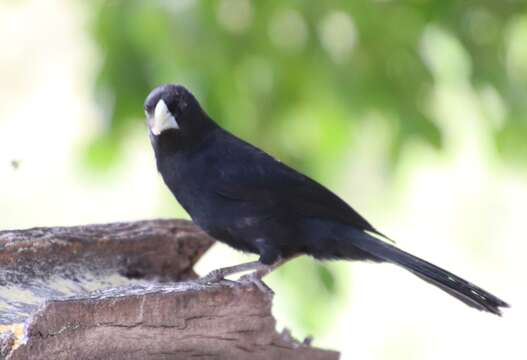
[415, 112]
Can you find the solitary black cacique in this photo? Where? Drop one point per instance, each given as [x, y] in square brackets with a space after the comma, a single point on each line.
[245, 198]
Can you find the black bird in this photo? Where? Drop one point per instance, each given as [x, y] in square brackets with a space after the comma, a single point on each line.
[245, 198]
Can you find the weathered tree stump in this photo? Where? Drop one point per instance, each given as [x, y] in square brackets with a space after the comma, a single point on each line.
[125, 291]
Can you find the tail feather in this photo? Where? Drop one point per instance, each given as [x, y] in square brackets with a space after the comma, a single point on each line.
[459, 288]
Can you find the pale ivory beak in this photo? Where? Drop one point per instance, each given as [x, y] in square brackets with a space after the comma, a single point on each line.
[162, 120]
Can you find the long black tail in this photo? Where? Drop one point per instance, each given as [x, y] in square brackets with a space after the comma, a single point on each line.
[459, 288]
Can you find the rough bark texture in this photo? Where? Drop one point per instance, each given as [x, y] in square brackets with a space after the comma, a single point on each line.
[47, 263]
[105, 292]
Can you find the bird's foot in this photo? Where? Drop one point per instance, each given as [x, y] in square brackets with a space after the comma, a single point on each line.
[215, 276]
[256, 278]
[259, 270]
[219, 275]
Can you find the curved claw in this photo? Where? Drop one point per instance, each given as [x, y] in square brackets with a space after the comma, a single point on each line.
[255, 278]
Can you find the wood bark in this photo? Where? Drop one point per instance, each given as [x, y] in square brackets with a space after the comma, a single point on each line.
[128, 291]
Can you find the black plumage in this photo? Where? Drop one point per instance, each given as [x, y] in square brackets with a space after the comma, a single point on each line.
[244, 197]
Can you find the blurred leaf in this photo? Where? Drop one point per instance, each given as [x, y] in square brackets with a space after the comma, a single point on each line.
[511, 140]
[326, 278]
[310, 285]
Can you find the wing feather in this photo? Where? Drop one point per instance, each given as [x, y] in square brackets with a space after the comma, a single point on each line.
[267, 184]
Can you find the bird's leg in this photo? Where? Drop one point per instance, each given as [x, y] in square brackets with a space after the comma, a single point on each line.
[266, 269]
[220, 274]
[256, 276]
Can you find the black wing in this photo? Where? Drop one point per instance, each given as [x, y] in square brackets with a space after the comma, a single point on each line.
[255, 177]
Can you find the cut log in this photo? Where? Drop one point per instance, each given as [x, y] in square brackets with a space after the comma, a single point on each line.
[124, 291]
[47, 263]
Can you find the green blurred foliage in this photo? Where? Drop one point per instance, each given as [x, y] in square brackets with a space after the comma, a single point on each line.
[298, 77]
[313, 296]
[270, 66]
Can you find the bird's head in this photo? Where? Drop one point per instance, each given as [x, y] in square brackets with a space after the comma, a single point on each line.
[172, 109]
